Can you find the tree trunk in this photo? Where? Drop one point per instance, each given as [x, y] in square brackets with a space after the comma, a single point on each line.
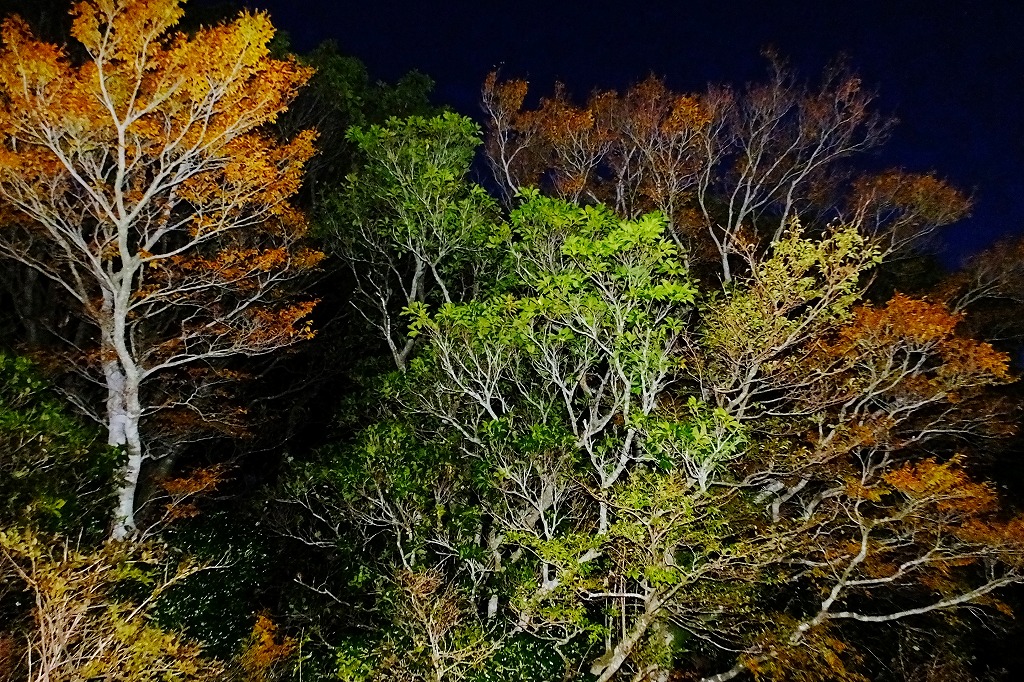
[724, 253]
[123, 412]
[608, 665]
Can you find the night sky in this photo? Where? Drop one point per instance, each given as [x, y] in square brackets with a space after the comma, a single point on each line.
[950, 71]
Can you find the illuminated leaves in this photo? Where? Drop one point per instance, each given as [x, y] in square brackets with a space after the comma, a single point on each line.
[33, 69]
[265, 652]
[902, 208]
[92, 612]
[730, 169]
[653, 141]
[127, 29]
[108, 160]
[144, 181]
[822, 656]
[54, 469]
[966, 510]
[182, 492]
[184, 111]
[946, 485]
[909, 351]
[755, 337]
[804, 480]
[409, 224]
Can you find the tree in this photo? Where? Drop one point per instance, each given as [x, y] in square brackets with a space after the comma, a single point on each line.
[641, 478]
[729, 168]
[991, 283]
[409, 225]
[91, 613]
[143, 182]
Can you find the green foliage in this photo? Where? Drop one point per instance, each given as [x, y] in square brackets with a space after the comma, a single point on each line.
[592, 294]
[435, 634]
[56, 473]
[700, 441]
[618, 284]
[803, 286]
[416, 488]
[410, 189]
[528, 659]
[552, 390]
[216, 606]
[616, 423]
[409, 226]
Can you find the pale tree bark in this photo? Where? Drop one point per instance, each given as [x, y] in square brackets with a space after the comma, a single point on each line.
[162, 210]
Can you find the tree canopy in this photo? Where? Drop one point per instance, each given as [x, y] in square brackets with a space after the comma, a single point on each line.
[143, 182]
[665, 396]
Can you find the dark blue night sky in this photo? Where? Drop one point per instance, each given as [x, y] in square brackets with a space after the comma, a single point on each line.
[953, 72]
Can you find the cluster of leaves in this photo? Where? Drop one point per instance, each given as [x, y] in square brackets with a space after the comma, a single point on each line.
[409, 225]
[91, 612]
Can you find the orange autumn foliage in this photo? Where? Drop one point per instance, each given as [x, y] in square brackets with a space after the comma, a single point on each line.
[265, 651]
[146, 181]
[730, 168]
[650, 138]
[907, 204]
[183, 492]
[915, 326]
[945, 485]
[147, 164]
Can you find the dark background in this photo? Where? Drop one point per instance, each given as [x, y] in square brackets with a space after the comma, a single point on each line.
[950, 71]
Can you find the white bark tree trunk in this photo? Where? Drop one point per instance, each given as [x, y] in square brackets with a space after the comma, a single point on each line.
[124, 410]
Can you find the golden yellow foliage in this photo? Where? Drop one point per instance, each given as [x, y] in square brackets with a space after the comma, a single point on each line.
[265, 651]
[144, 179]
[946, 485]
[155, 130]
[92, 613]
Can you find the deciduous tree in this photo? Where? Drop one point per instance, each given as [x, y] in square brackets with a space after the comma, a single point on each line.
[91, 612]
[729, 167]
[143, 181]
[409, 225]
[624, 472]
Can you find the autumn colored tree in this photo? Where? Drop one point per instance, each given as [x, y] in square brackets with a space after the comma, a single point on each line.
[93, 613]
[730, 168]
[142, 181]
[79, 626]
